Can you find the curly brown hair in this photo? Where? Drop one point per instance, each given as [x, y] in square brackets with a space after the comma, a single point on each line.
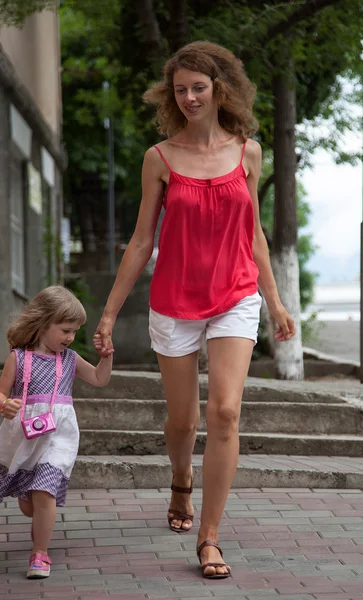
[234, 90]
[54, 304]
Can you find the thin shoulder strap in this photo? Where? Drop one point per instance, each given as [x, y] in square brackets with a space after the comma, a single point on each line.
[58, 377]
[243, 150]
[163, 157]
[28, 359]
[27, 371]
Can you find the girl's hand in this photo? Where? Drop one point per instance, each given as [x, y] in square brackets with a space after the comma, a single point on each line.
[11, 408]
[102, 338]
[286, 329]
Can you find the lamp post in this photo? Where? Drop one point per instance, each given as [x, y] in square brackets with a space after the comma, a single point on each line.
[361, 302]
[361, 285]
[361, 294]
[111, 185]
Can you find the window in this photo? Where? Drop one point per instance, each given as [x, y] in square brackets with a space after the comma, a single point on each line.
[48, 235]
[17, 226]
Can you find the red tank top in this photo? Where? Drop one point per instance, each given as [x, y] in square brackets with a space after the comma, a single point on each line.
[205, 262]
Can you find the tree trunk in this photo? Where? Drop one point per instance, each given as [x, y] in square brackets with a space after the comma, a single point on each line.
[178, 29]
[264, 188]
[266, 319]
[150, 33]
[288, 355]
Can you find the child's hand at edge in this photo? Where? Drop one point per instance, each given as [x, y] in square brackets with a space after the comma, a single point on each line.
[98, 344]
[11, 408]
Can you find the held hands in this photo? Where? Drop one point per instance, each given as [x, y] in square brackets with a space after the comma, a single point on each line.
[286, 325]
[102, 338]
[11, 408]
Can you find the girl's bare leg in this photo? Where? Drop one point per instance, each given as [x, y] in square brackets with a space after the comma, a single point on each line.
[26, 507]
[43, 520]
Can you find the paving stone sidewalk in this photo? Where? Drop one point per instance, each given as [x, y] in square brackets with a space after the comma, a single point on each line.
[283, 544]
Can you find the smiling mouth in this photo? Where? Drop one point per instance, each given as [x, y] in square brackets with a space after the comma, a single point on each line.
[192, 109]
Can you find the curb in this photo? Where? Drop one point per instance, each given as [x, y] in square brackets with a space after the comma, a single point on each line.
[334, 359]
[124, 472]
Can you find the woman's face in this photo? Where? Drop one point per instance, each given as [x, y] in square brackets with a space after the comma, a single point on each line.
[194, 94]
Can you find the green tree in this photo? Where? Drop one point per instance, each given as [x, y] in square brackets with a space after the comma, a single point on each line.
[305, 244]
[14, 12]
[135, 46]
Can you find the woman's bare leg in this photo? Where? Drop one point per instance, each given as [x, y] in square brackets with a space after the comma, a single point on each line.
[181, 385]
[229, 360]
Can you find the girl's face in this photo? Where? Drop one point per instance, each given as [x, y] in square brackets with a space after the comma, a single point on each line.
[194, 94]
[58, 336]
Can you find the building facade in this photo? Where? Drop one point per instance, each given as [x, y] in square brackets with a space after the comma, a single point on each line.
[31, 163]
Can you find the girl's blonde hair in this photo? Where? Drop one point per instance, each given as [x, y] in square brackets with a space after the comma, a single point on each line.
[232, 88]
[54, 304]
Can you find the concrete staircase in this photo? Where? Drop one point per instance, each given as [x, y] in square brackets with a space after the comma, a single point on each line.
[122, 442]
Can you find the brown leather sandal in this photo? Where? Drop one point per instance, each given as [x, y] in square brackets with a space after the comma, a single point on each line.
[176, 513]
[213, 564]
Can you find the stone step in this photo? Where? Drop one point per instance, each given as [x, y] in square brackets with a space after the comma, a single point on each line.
[257, 471]
[148, 385]
[260, 417]
[108, 442]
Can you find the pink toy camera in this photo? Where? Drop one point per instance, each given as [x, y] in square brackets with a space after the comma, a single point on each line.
[41, 424]
[37, 426]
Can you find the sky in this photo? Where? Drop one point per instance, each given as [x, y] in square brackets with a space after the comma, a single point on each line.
[334, 193]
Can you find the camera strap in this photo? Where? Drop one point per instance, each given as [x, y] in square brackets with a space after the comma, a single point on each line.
[28, 360]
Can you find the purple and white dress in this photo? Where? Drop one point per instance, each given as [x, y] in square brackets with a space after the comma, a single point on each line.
[44, 463]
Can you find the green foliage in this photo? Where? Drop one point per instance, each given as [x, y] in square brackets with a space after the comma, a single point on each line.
[305, 245]
[92, 53]
[82, 292]
[99, 45]
[14, 12]
[310, 328]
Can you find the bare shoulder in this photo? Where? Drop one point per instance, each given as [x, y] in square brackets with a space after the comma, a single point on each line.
[253, 150]
[151, 156]
[253, 159]
[11, 361]
[8, 375]
[153, 163]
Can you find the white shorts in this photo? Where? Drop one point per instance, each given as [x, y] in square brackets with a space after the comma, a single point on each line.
[179, 337]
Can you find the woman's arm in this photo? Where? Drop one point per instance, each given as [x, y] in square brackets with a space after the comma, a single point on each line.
[139, 249]
[266, 281]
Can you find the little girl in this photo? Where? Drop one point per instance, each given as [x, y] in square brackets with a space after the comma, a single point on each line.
[39, 435]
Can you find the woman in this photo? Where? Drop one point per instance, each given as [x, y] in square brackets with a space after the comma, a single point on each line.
[212, 258]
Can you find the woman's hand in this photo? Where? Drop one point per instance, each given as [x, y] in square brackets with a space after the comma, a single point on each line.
[11, 408]
[286, 325]
[102, 338]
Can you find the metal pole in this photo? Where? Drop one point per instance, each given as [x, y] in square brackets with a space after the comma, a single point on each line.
[111, 197]
[111, 187]
[361, 287]
[361, 302]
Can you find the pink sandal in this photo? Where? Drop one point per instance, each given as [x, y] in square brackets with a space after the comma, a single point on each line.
[39, 566]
